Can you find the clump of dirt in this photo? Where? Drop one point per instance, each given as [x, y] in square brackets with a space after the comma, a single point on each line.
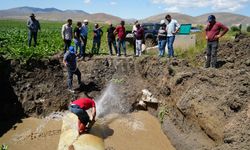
[233, 54]
[200, 108]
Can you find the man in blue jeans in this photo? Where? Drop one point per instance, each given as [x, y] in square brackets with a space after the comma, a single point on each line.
[121, 32]
[162, 38]
[69, 61]
[84, 38]
[172, 28]
[33, 26]
[79, 108]
[77, 37]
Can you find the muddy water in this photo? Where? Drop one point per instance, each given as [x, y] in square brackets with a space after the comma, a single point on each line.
[136, 131]
[33, 134]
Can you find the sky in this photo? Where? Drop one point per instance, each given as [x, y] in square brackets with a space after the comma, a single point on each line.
[138, 9]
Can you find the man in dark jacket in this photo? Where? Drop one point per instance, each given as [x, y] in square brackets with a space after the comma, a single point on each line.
[111, 39]
[69, 61]
[139, 37]
[33, 26]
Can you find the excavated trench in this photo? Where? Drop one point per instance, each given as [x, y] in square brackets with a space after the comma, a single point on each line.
[197, 108]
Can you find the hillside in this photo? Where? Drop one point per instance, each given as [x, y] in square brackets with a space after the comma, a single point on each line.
[182, 18]
[54, 14]
[225, 18]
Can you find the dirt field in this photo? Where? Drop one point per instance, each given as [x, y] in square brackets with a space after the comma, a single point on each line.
[205, 108]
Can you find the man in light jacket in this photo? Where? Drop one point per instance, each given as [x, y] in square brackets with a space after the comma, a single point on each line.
[67, 34]
[33, 26]
[172, 29]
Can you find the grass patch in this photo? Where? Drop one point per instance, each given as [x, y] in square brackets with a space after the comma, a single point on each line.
[191, 52]
[163, 111]
[14, 40]
[118, 81]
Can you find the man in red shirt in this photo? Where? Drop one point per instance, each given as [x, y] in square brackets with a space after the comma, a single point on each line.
[79, 107]
[121, 31]
[213, 33]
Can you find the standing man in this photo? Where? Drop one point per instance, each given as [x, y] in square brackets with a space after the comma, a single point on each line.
[121, 31]
[172, 28]
[97, 39]
[134, 33]
[139, 37]
[213, 33]
[77, 37]
[84, 37]
[111, 39]
[33, 26]
[162, 38]
[69, 61]
[79, 107]
[67, 34]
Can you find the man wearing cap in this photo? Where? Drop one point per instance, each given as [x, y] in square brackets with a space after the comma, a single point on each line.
[69, 61]
[172, 29]
[67, 34]
[33, 26]
[79, 107]
[111, 39]
[213, 33]
[84, 37]
[162, 38]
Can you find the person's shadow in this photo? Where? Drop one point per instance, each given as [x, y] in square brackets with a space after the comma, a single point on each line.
[11, 111]
[101, 130]
[220, 63]
[87, 88]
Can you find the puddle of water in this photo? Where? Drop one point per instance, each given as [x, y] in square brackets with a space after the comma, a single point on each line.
[33, 133]
[136, 131]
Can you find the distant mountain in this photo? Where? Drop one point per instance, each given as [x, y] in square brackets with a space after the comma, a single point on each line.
[56, 14]
[182, 18]
[225, 18]
[79, 15]
[102, 17]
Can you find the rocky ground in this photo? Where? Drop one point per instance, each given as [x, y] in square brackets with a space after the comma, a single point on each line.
[202, 108]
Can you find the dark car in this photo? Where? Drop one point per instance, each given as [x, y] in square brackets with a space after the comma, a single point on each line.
[150, 34]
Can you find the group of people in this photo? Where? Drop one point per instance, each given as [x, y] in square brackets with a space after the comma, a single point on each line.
[214, 31]
[79, 35]
[166, 35]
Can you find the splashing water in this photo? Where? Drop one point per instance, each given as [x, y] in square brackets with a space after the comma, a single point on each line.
[111, 101]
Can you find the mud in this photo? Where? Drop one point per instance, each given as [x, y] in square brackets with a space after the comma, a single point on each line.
[204, 108]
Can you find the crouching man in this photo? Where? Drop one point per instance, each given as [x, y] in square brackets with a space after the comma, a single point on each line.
[79, 107]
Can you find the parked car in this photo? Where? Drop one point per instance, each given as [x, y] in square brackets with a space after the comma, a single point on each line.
[195, 29]
[150, 34]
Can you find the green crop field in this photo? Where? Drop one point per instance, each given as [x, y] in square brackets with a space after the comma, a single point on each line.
[14, 40]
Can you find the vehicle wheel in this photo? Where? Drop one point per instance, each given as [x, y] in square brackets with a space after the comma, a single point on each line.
[149, 42]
